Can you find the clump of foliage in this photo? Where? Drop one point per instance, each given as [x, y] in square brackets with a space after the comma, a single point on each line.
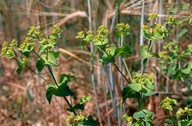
[138, 85]
[43, 48]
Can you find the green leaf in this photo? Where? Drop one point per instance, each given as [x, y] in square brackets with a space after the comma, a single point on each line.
[185, 122]
[169, 121]
[41, 49]
[65, 78]
[107, 59]
[90, 122]
[123, 51]
[40, 64]
[148, 89]
[108, 56]
[143, 114]
[51, 59]
[144, 53]
[79, 106]
[63, 90]
[100, 43]
[84, 42]
[22, 64]
[182, 33]
[157, 35]
[147, 35]
[50, 91]
[136, 87]
[187, 69]
[55, 53]
[19, 69]
[85, 99]
[26, 54]
[148, 123]
[129, 93]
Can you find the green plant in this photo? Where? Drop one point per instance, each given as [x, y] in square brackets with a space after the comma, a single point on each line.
[46, 57]
[139, 85]
[183, 117]
[143, 117]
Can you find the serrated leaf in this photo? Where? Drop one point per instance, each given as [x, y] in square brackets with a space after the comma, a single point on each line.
[50, 91]
[40, 64]
[123, 51]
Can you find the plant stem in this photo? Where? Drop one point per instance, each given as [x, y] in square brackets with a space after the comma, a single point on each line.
[55, 80]
[127, 69]
[52, 74]
[33, 71]
[121, 72]
[115, 65]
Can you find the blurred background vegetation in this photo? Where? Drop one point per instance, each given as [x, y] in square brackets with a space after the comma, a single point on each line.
[22, 98]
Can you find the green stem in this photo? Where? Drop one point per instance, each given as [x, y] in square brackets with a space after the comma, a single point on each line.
[114, 65]
[150, 45]
[121, 72]
[53, 76]
[145, 61]
[55, 80]
[127, 69]
[33, 71]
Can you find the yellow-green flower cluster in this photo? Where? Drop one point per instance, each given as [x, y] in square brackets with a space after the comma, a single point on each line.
[98, 39]
[27, 45]
[128, 118]
[153, 16]
[143, 79]
[168, 103]
[73, 120]
[123, 27]
[56, 32]
[156, 31]
[49, 43]
[184, 112]
[8, 49]
[34, 32]
[172, 20]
